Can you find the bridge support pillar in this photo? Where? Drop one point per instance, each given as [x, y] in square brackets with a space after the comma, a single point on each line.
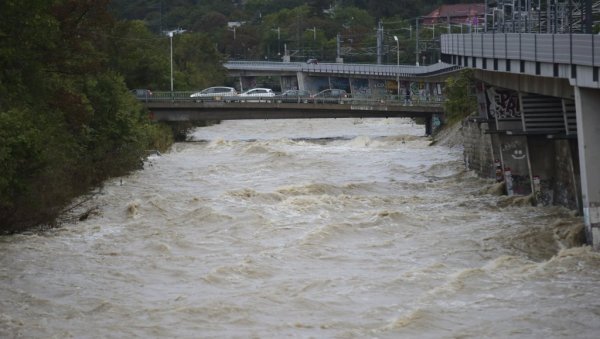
[429, 125]
[587, 102]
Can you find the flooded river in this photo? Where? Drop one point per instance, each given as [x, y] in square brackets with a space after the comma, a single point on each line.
[304, 229]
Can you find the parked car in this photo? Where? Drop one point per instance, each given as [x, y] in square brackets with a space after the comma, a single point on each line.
[331, 96]
[293, 95]
[142, 94]
[214, 93]
[257, 94]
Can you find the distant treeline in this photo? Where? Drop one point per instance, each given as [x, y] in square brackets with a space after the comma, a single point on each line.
[264, 29]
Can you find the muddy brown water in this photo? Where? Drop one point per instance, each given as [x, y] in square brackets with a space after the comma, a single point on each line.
[341, 228]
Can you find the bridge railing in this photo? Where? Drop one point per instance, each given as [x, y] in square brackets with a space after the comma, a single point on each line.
[389, 70]
[415, 99]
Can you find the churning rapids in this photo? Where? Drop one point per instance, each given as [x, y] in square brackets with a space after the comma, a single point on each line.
[303, 228]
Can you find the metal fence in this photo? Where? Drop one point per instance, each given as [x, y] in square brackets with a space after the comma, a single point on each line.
[575, 49]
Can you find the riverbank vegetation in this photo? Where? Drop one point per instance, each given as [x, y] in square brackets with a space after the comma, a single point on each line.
[460, 96]
[67, 119]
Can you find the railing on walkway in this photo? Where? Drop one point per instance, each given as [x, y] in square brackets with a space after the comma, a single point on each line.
[415, 99]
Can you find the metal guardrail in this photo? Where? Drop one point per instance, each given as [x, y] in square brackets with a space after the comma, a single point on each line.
[342, 69]
[414, 100]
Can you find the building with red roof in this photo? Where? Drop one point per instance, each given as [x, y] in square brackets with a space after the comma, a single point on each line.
[457, 14]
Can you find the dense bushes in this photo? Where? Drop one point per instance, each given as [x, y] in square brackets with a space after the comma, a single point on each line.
[67, 120]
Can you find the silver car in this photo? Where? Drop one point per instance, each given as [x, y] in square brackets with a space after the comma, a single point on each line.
[214, 93]
[256, 95]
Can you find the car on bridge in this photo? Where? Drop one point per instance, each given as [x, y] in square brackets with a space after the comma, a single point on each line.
[214, 93]
[142, 94]
[333, 95]
[294, 95]
[257, 95]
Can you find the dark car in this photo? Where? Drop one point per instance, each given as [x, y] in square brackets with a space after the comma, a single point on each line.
[331, 96]
[293, 95]
[142, 94]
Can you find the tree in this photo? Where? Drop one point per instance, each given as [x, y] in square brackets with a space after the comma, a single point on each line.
[460, 101]
[67, 121]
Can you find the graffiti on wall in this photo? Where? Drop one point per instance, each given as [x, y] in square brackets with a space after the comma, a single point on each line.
[341, 83]
[289, 82]
[514, 156]
[514, 149]
[503, 104]
[360, 87]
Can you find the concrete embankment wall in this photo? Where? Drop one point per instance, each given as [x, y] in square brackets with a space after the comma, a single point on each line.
[546, 168]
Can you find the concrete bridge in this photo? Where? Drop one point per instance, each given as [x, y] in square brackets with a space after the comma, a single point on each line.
[538, 114]
[172, 107]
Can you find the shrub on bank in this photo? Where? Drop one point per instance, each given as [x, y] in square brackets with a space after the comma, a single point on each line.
[48, 158]
[460, 99]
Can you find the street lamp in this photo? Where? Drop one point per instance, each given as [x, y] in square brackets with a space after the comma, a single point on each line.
[397, 64]
[171, 39]
[171, 33]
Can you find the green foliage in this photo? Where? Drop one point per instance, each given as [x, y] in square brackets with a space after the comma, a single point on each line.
[139, 55]
[269, 25]
[197, 62]
[460, 101]
[67, 121]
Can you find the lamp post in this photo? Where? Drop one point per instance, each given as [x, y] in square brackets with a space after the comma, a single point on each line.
[398, 65]
[171, 33]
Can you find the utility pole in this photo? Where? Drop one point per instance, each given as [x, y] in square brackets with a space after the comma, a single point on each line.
[485, 11]
[588, 17]
[338, 51]
[379, 41]
[417, 43]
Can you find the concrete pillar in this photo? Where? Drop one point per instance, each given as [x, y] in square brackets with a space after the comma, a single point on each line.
[587, 103]
[428, 125]
[301, 82]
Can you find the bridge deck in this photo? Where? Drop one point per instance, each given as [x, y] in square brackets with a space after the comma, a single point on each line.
[218, 110]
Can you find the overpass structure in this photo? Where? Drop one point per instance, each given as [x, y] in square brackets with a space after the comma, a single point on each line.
[360, 80]
[539, 99]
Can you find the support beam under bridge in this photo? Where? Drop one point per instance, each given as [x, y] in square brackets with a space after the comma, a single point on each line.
[219, 110]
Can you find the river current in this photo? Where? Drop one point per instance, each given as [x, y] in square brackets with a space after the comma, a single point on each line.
[341, 228]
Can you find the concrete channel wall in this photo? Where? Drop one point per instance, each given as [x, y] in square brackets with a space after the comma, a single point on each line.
[546, 168]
